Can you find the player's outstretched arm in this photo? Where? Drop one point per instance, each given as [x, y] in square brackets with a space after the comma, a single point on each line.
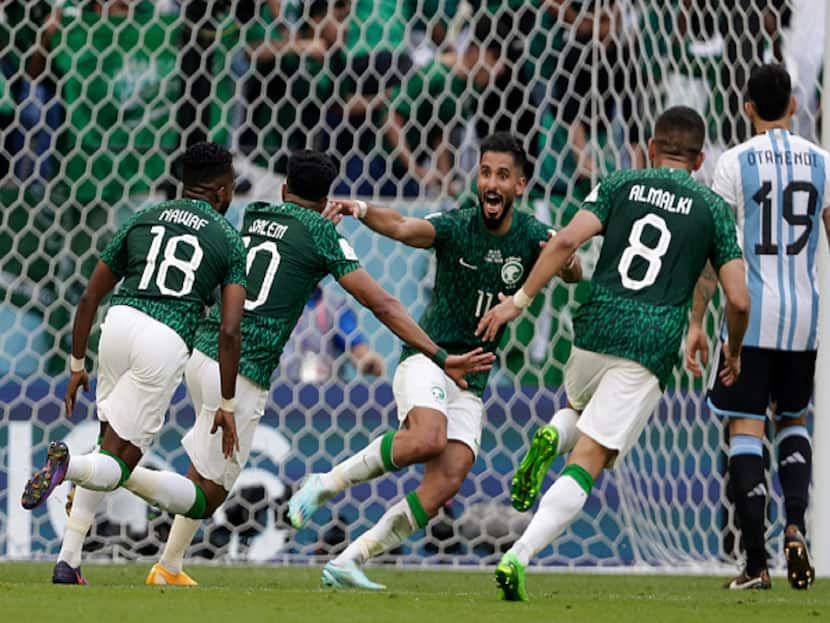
[572, 270]
[696, 342]
[557, 252]
[733, 281]
[230, 345]
[416, 232]
[101, 283]
[390, 312]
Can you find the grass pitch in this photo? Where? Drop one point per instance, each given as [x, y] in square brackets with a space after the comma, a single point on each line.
[285, 594]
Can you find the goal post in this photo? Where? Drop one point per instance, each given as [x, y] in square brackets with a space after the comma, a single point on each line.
[90, 133]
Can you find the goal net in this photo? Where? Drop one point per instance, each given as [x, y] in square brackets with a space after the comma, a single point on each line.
[98, 98]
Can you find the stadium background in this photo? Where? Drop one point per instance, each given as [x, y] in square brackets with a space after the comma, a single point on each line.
[97, 98]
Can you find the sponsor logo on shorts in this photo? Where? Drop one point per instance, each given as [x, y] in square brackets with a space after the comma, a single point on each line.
[438, 392]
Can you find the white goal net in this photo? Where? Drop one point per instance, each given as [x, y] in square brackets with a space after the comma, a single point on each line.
[98, 98]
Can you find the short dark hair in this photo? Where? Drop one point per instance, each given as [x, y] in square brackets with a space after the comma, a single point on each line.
[205, 162]
[680, 132]
[310, 174]
[504, 142]
[769, 89]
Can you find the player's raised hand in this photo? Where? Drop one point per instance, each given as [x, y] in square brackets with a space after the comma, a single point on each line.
[336, 210]
[76, 380]
[696, 343]
[731, 366]
[230, 440]
[496, 318]
[476, 360]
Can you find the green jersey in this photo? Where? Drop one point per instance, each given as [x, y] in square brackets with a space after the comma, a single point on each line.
[290, 249]
[172, 257]
[473, 266]
[660, 227]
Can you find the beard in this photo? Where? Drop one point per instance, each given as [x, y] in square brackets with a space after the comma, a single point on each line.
[493, 222]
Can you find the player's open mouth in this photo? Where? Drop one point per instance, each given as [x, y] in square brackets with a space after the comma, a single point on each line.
[492, 204]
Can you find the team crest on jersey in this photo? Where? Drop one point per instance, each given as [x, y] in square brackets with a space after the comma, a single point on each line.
[438, 392]
[512, 271]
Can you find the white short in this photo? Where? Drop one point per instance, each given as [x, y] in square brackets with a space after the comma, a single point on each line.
[616, 397]
[204, 449]
[419, 382]
[140, 365]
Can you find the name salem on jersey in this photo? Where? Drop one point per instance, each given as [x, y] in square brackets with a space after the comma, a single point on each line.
[183, 217]
[264, 227]
[662, 199]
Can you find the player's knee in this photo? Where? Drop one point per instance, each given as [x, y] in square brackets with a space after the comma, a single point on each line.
[431, 443]
[214, 494]
[213, 503]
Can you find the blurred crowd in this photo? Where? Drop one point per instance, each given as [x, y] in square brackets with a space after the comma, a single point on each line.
[98, 96]
[100, 93]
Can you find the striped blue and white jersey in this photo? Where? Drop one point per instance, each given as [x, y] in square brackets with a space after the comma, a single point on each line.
[778, 184]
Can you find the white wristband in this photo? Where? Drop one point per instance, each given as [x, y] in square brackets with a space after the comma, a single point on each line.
[521, 300]
[362, 208]
[228, 404]
[75, 364]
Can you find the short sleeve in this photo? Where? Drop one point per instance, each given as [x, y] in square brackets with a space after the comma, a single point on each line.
[443, 223]
[338, 256]
[598, 201]
[237, 273]
[724, 182]
[725, 246]
[115, 254]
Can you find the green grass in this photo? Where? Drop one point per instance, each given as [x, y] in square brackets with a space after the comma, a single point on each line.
[284, 594]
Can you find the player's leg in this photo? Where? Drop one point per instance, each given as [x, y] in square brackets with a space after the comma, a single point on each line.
[745, 404]
[549, 441]
[421, 390]
[443, 476]
[622, 401]
[113, 363]
[80, 517]
[147, 360]
[582, 375]
[792, 388]
[209, 471]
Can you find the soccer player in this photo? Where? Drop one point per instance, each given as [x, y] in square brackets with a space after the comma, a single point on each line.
[660, 228]
[480, 252]
[778, 185]
[291, 247]
[171, 257]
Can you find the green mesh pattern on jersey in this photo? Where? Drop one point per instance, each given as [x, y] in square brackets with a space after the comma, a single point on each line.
[660, 228]
[172, 257]
[290, 249]
[473, 266]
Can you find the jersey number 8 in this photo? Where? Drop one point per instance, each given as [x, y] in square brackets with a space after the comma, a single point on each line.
[652, 255]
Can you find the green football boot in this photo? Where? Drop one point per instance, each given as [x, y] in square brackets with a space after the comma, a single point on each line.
[510, 576]
[524, 488]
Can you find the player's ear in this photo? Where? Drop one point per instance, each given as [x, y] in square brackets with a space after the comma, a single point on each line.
[521, 185]
[652, 150]
[698, 161]
[749, 110]
[284, 190]
[793, 105]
